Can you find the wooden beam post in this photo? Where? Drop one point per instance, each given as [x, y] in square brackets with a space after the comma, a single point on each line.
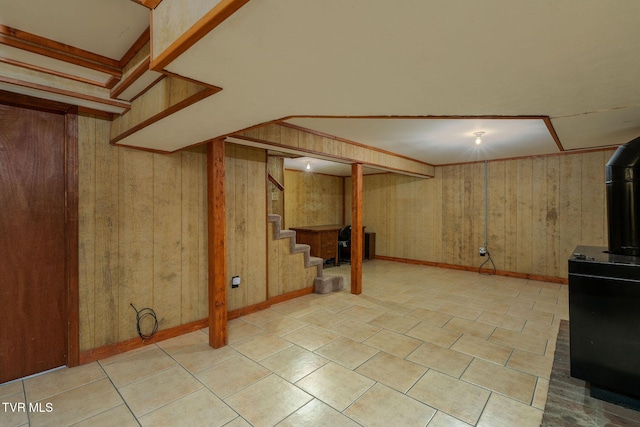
[218, 333]
[357, 236]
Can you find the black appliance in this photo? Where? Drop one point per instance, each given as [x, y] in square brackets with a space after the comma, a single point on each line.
[604, 291]
[604, 323]
[623, 199]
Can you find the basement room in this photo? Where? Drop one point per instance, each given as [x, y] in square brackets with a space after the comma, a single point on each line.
[303, 213]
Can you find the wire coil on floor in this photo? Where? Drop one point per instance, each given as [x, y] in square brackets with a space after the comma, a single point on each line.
[142, 314]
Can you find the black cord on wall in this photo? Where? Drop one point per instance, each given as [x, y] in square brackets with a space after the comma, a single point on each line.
[145, 312]
[486, 261]
[486, 222]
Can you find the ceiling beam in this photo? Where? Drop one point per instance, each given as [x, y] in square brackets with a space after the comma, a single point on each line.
[151, 4]
[135, 47]
[213, 18]
[53, 49]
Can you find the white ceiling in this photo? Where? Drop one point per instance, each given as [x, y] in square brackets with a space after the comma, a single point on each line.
[442, 141]
[574, 61]
[107, 28]
[323, 166]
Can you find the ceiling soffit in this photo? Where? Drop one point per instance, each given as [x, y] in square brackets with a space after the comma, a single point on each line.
[375, 59]
[571, 63]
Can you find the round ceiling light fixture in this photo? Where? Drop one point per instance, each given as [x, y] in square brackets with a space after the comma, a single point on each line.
[478, 137]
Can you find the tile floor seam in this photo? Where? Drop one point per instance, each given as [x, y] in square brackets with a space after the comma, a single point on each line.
[175, 400]
[513, 350]
[105, 411]
[357, 398]
[484, 407]
[124, 401]
[24, 395]
[535, 387]
[465, 369]
[457, 339]
[411, 397]
[67, 390]
[147, 376]
[299, 379]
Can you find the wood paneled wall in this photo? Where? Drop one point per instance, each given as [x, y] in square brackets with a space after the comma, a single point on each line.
[246, 204]
[276, 196]
[287, 272]
[332, 148]
[539, 209]
[169, 93]
[313, 199]
[142, 230]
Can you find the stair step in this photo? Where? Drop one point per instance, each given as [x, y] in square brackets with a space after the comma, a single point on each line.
[314, 260]
[321, 284]
[299, 247]
[327, 284]
[284, 234]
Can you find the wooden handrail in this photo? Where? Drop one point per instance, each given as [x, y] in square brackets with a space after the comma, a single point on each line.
[276, 183]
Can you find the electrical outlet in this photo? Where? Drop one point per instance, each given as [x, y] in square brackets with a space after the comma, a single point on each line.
[483, 250]
[235, 281]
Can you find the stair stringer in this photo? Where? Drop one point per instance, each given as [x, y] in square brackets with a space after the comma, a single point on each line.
[321, 283]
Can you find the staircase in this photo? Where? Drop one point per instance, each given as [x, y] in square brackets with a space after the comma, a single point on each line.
[321, 284]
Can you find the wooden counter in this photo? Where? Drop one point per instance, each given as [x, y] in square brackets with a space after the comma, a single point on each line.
[323, 240]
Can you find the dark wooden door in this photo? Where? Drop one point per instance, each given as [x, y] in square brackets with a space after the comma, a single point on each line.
[33, 285]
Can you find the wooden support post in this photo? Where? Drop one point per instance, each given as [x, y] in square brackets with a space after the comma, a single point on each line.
[356, 228]
[218, 333]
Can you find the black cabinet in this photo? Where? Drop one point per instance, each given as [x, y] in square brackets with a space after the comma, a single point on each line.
[604, 321]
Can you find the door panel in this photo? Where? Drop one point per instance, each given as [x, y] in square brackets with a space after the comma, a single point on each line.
[33, 286]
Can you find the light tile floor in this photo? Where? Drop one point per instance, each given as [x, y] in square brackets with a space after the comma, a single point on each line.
[420, 346]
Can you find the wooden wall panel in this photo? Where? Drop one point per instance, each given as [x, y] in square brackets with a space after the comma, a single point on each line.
[236, 203]
[452, 213]
[538, 215]
[347, 200]
[474, 208]
[593, 198]
[246, 225]
[106, 311]
[524, 211]
[327, 146]
[136, 245]
[142, 236]
[194, 235]
[553, 253]
[86, 229]
[391, 211]
[497, 213]
[313, 199]
[257, 226]
[539, 210]
[167, 228]
[274, 284]
[275, 201]
[287, 272]
[511, 216]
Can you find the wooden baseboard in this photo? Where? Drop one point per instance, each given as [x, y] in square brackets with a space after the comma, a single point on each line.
[537, 277]
[234, 314]
[133, 343]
